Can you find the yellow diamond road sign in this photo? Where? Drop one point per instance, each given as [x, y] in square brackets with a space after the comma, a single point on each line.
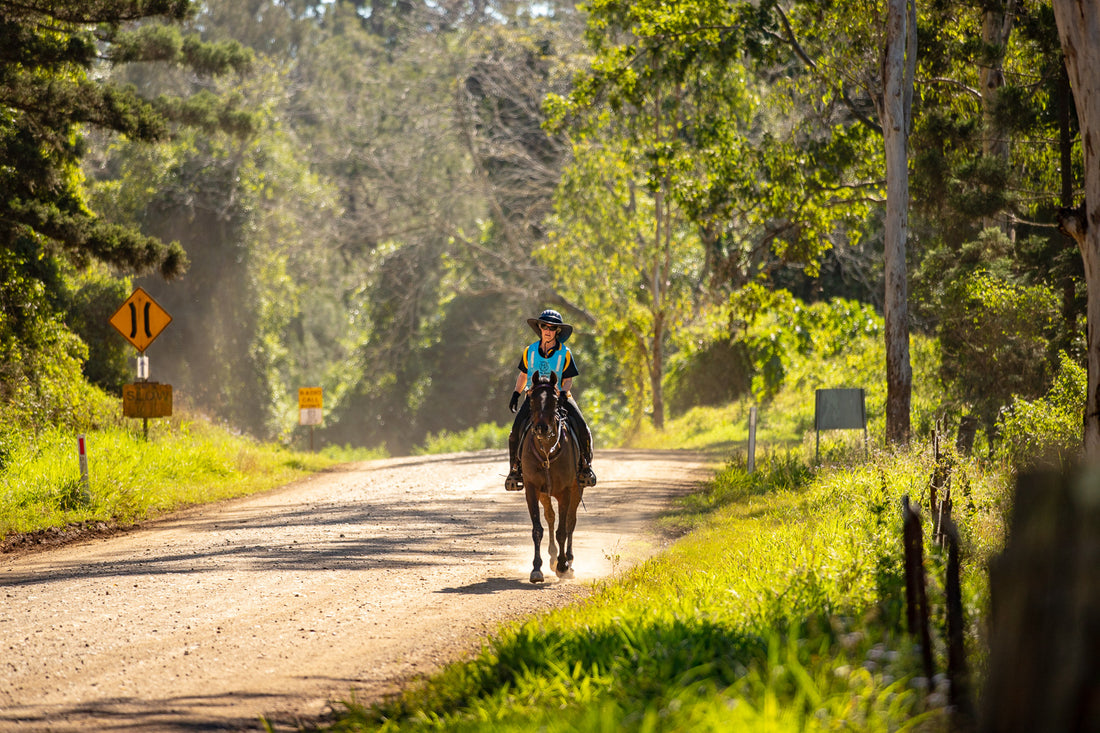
[140, 319]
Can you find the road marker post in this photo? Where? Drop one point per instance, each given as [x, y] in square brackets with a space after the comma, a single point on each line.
[82, 455]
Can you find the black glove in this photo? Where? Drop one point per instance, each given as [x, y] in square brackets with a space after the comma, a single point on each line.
[513, 404]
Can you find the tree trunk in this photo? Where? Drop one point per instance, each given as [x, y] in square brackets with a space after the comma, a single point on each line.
[895, 127]
[996, 27]
[656, 373]
[1079, 30]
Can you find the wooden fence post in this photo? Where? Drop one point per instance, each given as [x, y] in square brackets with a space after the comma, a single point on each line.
[1044, 654]
[916, 599]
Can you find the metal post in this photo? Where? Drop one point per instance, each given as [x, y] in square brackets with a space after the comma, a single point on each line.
[143, 376]
[752, 438]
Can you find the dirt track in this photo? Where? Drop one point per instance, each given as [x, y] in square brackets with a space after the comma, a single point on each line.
[275, 605]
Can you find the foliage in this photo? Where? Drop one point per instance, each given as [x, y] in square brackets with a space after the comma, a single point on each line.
[995, 330]
[41, 383]
[483, 437]
[1047, 429]
[91, 298]
[778, 330]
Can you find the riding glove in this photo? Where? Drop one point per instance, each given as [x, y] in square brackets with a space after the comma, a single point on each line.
[513, 404]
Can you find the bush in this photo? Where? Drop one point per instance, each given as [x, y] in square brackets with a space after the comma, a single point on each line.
[1047, 431]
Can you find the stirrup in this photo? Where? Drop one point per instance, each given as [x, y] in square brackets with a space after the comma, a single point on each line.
[586, 477]
[514, 482]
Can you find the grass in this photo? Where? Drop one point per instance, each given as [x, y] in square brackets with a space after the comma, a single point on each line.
[129, 479]
[782, 609]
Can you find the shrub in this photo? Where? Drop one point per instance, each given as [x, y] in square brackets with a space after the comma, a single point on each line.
[1047, 430]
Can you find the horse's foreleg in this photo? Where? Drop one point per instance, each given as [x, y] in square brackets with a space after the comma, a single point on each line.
[564, 535]
[551, 523]
[569, 523]
[536, 533]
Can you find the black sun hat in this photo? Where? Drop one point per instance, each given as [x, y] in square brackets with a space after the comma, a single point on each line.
[551, 318]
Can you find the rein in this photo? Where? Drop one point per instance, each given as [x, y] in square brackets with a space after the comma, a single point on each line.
[550, 455]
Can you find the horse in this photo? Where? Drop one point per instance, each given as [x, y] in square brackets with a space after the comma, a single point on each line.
[548, 460]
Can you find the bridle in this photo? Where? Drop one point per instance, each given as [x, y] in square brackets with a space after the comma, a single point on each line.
[541, 419]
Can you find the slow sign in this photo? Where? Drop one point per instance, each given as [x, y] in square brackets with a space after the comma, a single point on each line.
[147, 399]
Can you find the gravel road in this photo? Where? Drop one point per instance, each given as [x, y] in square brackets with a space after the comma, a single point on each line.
[353, 581]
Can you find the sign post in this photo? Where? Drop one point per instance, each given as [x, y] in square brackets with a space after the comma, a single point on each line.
[140, 320]
[310, 404]
[752, 439]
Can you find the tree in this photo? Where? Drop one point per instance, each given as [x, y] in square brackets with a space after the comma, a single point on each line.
[1079, 30]
[745, 179]
[895, 112]
[47, 51]
[53, 91]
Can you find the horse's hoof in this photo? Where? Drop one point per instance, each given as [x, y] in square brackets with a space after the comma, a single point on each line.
[536, 576]
[565, 574]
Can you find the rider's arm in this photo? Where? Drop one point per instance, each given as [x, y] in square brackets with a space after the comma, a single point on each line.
[521, 382]
[566, 384]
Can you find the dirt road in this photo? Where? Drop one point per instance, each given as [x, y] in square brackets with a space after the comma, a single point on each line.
[357, 579]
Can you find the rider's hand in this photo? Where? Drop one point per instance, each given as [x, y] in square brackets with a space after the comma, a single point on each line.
[513, 404]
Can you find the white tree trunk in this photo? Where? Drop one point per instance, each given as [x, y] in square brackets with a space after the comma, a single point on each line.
[1079, 30]
[895, 128]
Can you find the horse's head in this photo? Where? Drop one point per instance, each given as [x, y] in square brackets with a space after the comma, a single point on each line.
[544, 403]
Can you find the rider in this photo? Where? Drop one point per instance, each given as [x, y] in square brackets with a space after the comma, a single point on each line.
[548, 355]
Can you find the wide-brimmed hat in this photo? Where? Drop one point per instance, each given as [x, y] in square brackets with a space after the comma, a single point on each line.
[551, 318]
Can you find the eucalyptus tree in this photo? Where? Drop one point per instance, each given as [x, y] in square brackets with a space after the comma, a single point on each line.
[1079, 30]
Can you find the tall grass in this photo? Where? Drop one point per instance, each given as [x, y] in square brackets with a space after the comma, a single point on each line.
[183, 462]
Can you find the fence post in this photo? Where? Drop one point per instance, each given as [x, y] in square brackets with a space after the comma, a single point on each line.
[1044, 592]
[916, 599]
[752, 438]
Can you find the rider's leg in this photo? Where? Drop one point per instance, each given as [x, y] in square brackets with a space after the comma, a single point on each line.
[584, 435]
[514, 482]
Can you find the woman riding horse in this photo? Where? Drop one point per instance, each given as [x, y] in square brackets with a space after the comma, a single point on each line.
[549, 457]
[548, 355]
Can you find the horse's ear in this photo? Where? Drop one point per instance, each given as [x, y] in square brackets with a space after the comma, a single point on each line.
[537, 379]
[553, 378]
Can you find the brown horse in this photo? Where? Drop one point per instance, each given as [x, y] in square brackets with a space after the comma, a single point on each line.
[548, 459]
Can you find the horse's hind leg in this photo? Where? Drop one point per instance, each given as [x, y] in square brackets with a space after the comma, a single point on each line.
[536, 533]
[551, 523]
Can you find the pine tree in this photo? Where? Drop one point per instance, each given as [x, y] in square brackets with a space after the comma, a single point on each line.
[52, 90]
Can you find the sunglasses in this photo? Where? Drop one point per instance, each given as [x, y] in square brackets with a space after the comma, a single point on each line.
[544, 327]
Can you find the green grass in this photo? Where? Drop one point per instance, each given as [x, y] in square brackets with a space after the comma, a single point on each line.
[782, 609]
[129, 479]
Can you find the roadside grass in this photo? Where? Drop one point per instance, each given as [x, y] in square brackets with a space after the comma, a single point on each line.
[184, 462]
[782, 609]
